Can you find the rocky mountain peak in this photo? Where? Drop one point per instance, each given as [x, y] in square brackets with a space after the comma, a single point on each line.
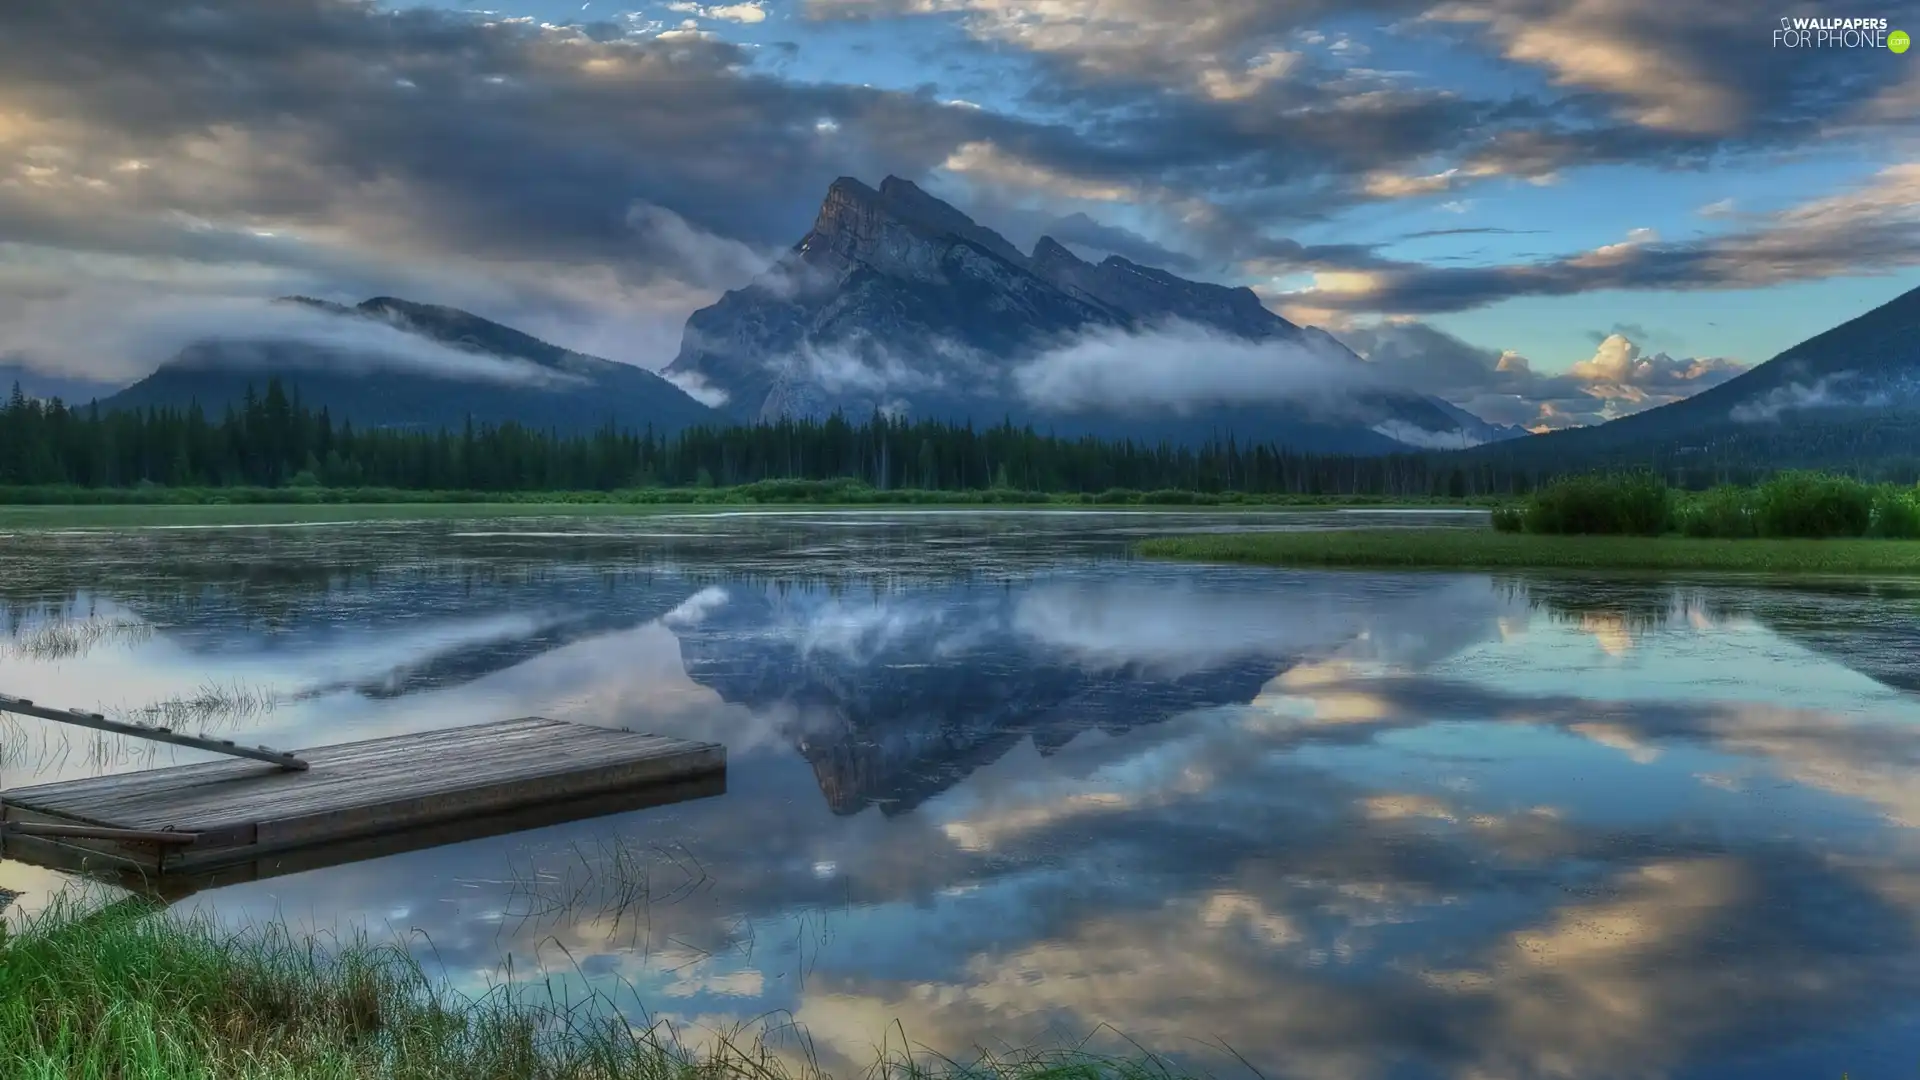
[911, 305]
[894, 228]
[1050, 252]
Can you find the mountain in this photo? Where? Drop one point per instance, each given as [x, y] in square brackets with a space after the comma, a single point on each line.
[1842, 397]
[38, 384]
[442, 366]
[896, 300]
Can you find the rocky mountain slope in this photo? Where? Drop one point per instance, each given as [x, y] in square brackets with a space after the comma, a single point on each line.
[896, 300]
[467, 366]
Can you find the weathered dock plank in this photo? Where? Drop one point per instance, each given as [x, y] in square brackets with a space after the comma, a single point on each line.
[178, 883]
[240, 810]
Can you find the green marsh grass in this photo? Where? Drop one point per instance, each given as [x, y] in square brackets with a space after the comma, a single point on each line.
[1794, 523]
[124, 992]
[1797, 504]
[1475, 549]
[83, 507]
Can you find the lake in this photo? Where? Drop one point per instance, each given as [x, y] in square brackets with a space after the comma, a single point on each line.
[993, 783]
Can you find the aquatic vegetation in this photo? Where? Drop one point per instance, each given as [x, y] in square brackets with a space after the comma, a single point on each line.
[614, 884]
[122, 991]
[206, 706]
[210, 708]
[66, 639]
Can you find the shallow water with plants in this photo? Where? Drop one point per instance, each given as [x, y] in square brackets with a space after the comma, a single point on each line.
[997, 782]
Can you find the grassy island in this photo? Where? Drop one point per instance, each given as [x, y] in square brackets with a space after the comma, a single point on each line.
[1796, 523]
[1474, 549]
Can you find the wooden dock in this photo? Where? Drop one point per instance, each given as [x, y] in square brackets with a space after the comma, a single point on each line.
[354, 800]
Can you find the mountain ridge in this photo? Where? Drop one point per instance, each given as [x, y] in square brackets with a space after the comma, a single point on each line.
[568, 391]
[896, 300]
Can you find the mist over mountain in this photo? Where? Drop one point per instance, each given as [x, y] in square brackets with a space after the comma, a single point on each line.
[395, 363]
[897, 301]
[35, 383]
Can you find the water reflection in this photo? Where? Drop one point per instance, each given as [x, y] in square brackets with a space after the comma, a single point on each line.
[994, 782]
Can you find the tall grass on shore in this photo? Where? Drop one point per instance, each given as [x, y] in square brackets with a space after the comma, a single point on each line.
[1797, 505]
[122, 992]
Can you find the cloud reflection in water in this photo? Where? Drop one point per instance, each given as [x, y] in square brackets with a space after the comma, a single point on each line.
[1353, 826]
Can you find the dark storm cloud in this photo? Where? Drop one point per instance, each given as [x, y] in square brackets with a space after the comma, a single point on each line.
[486, 137]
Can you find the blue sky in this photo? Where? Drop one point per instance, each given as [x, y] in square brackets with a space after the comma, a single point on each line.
[1445, 182]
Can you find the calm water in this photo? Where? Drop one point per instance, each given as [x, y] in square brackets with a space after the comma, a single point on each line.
[994, 781]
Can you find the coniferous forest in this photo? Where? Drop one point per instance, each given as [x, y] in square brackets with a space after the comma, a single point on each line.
[273, 440]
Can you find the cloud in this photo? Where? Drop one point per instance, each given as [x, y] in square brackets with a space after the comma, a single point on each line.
[1503, 387]
[593, 183]
[144, 332]
[590, 177]
[1624, 329]
[692, 384]
[1825, 392]
[754, 11]
[701, 258]
[1627, 80]
[1182, 367]
[1872, 227]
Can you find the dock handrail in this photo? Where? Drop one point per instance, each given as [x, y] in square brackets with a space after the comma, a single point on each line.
[154, 732]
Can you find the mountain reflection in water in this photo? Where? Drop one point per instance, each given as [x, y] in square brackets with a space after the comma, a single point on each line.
[997, 783]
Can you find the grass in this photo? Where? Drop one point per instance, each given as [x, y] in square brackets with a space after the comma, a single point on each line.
[65, 506]
[122, 993]
[1487, 549]
[190, 515]
[1803, 504]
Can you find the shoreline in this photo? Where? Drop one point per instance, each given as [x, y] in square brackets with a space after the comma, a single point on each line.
[187, 515]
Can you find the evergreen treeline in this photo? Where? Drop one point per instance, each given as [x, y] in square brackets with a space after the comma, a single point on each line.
[272, 440]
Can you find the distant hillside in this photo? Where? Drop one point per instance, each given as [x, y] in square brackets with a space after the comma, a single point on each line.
[1845, 396]
[39, 384]
[896, 300]
[555, 388]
